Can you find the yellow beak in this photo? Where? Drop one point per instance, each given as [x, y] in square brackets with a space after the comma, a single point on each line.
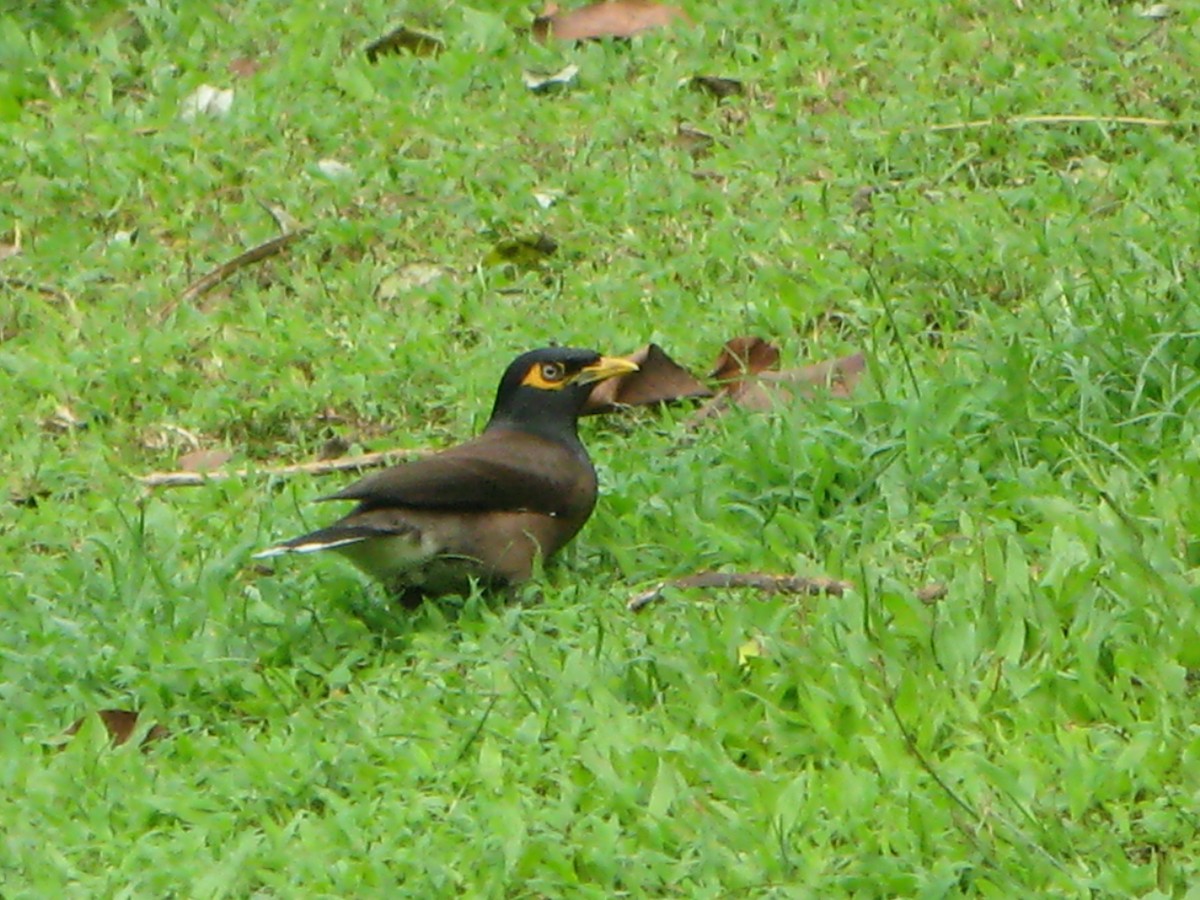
[607, 367]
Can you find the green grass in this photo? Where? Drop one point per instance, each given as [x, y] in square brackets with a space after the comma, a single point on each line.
[1027, 298]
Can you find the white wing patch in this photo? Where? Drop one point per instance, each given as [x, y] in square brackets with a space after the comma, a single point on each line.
[310, 547]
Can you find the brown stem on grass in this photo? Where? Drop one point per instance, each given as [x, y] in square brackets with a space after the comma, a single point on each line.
[223, 272]
[759, 581]
[1054, 120]
[320, 467]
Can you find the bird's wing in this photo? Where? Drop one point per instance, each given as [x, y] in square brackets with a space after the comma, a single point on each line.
[499, 470]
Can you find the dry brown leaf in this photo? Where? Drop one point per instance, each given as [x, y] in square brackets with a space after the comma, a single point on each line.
[120, 725]
[743, 356]
[203, 460]
[932, 592]
[244, 66]
[524, 252]
[746, 383]
[615, 18]
[693, 140]
[404, 40]
[659, 379]
[717, 86]
[62, 420]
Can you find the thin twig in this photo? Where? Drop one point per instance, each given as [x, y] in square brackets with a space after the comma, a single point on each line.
[222, 273]
[759, 581]
[320, 467]
[1053, 120]
[45, 289]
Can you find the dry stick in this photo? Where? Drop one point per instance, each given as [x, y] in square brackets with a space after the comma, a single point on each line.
[320, 467]
[1054, 120]
[770, 584]
[221, 273]
[45, 289]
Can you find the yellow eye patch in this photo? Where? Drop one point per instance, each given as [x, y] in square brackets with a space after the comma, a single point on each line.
[548, 376]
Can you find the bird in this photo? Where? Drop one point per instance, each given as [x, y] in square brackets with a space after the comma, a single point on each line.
[486, 510]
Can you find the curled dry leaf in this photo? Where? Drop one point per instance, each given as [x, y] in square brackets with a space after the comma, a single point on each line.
[121, 725]
[62, 420]
[404, 40]
[743, 356]
[524, 252]
[659, 379]
[542, 84]
[408, 278]
[204, 460]
[717, 86]
[244, 66]
[334, 169]
[693, 140]
[742, 368]
[616, 18]
[932, 592]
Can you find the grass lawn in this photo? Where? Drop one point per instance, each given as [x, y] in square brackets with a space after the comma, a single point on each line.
[1025, 291]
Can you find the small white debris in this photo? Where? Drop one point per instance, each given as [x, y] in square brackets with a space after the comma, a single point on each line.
[331, 168]
[206, 100]
[540, 83]
[547, 197]
[1158, 11]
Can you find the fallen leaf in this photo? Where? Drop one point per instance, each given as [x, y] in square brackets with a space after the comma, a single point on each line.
[864, 199]
[244, 67]
[659, 379]
[742, 370]
[206, 100]
[203, 460]
[524, 252]
[283, 219]
[547, 197]
[404, 40]
[62, 420]
[408, 278]
[932, 592]
[334, 448]
[717, 86]
[1157, 12]
[615, 18]
[120, 725]
[541, 84]
[331, 168]
[166, 435]
[743, 356]
[693, 140]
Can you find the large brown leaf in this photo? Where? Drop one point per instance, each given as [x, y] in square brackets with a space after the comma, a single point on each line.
[659, 379]
[744, 356]
[121, 725]
[742, 368]
[614, 18]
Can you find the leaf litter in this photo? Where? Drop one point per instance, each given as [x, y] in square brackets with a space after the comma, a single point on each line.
[614, 18]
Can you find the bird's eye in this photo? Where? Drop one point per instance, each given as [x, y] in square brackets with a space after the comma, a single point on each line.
[552, 371]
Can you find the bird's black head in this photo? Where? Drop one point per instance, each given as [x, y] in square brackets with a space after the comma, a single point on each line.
[543, 391]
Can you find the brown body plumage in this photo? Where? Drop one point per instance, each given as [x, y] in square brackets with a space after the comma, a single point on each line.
[485, 510]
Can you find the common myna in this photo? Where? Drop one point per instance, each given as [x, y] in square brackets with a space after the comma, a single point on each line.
[486, 509]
